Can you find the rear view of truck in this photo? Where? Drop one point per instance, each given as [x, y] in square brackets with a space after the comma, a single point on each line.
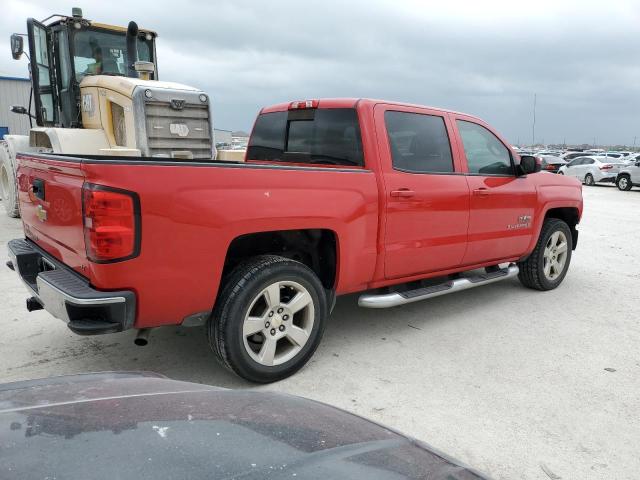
[69, 225]
[117, 243]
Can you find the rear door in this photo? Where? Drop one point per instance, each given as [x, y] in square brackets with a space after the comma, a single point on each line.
[42, 73]
[50, 195]
[502, 204]
[426, 195]
[573, 167]
[586, 166]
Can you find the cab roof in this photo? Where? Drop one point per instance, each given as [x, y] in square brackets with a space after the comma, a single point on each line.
[60, 19]
[353, 102]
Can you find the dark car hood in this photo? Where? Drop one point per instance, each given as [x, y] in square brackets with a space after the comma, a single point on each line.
[144, 426]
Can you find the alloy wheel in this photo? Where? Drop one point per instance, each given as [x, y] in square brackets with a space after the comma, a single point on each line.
[278, 323]
[623, 183]
[555, 255]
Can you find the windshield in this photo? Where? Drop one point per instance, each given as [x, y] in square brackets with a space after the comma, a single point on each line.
[103, 53]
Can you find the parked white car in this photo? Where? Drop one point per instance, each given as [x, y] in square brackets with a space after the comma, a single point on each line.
[591, 170]
[632, 158]
[570, 155]
[629, 176]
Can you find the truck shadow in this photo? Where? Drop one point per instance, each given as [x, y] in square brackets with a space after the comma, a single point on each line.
[352, 334]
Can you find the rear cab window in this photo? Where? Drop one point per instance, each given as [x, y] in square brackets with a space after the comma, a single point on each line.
[419, 142]
[317, 136]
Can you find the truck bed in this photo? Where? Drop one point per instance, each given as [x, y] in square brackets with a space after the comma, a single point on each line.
[190, 212]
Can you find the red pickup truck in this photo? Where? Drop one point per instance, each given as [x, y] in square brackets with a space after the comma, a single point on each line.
[400, 202]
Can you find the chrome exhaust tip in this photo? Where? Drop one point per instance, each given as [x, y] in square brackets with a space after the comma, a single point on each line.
[142, 337]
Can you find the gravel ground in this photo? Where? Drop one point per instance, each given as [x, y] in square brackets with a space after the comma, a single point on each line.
[517, 383]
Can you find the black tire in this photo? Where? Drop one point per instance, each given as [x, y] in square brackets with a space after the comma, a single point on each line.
[623, 182]
[531, 273]
[588, 180]
[560, 173]
[8, 184]
[241, 288]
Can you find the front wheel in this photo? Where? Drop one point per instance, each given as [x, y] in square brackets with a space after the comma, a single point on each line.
[560, 173]
[269, 319]
[547, 265]
[623, 183]
[588, 180]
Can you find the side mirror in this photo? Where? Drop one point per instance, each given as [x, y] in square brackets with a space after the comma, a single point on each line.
[19, 109]
[530, 164]
[17, 46]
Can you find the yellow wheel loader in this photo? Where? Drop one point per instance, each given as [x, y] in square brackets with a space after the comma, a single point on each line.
[95, 91]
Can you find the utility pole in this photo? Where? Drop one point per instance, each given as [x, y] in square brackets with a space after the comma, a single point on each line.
[634, 142]
[533, 126]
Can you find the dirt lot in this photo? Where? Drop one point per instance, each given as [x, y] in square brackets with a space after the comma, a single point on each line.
[516, 383]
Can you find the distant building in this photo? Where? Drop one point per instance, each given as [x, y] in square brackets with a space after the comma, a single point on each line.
[13, 91]
[240, 140]
[223, 138]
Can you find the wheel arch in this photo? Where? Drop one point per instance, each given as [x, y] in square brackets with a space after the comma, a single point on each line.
[317, 248]
[569, 215]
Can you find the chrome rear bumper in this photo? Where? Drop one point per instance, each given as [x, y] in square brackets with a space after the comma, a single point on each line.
[68, 296]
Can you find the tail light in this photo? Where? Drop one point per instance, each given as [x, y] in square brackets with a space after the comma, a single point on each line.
[550, 167]
[302, 104]
[606, 167]
[111, 223]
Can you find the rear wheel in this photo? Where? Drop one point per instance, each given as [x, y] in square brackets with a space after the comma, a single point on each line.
[8, 189]
[269, 319]
[623, 183]
[588, 180]
[547, 265]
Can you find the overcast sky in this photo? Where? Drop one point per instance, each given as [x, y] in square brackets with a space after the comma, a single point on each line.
[483, 57]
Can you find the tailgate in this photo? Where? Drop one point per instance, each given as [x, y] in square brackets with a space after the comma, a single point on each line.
[50, 196]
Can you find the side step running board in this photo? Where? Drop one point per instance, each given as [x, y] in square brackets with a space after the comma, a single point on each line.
[394, 299]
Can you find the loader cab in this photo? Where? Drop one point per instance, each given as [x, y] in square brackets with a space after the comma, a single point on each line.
[65, 51]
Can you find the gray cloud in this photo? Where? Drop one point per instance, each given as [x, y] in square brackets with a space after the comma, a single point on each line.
[484, 58]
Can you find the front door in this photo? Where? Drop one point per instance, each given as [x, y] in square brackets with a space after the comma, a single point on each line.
[42, 77]
[426, 196]
[502, 205]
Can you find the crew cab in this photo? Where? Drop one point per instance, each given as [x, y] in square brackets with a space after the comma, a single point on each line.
[399, 202]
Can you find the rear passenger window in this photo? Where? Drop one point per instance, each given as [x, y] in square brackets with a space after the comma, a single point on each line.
[486, 155]
[419, 143]
[316, 136]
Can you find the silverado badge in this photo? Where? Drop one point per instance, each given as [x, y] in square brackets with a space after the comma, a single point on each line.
[524, 221]
[41, 213]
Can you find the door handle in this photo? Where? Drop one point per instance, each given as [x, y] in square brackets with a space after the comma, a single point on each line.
[481, 192]
[402, 193]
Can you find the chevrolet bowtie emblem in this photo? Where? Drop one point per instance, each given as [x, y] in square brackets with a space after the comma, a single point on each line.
[41, 213]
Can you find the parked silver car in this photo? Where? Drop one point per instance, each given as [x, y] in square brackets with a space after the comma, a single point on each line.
[591, 170]
[631, 159]
[629, 176]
